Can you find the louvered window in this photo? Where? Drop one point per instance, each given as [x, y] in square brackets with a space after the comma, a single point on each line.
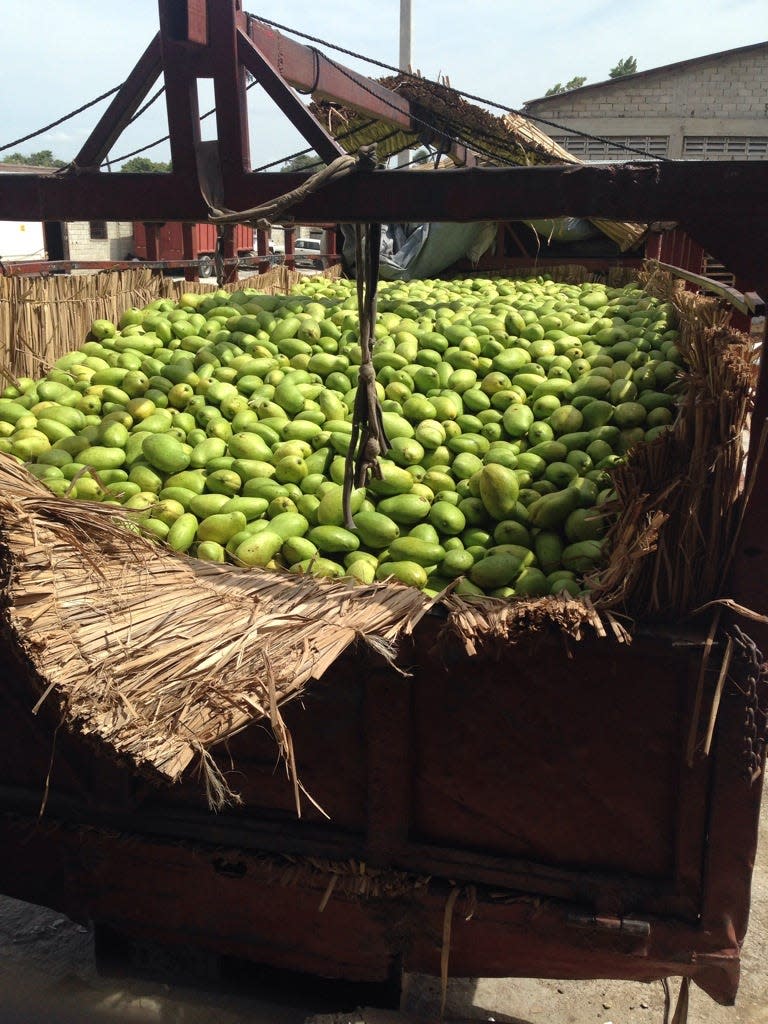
[725, 147]
[608, 148]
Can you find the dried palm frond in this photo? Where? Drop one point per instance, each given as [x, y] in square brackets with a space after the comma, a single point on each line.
[680, 498]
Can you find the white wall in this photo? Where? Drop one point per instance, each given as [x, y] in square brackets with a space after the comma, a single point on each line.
[21, 240]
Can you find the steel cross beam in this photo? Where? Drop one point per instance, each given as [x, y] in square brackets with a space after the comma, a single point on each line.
[280, 92]
[721, 204]
[122, 108]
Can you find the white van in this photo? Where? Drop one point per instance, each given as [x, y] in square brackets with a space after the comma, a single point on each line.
[307, 253]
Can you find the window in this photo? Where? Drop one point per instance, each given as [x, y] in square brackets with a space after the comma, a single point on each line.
[725, 147]
[597, 149]
[97, 228]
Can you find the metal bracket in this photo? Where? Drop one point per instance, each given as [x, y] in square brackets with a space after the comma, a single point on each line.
[619, 926]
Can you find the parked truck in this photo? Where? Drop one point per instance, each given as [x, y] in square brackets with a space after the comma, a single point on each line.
[170, 243]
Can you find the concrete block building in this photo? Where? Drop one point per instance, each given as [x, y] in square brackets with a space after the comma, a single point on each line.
[708, 108]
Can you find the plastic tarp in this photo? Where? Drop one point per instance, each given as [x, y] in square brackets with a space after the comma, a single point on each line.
[413, 251]
[564, 229]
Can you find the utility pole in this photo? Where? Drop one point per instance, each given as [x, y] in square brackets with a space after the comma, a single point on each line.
[404, 62]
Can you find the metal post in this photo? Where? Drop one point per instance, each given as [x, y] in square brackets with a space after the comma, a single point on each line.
[404, 62]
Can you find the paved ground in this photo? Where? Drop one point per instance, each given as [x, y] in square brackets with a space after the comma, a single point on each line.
[48, 976]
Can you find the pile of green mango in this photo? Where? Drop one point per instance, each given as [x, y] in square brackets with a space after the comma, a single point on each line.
[222, 422]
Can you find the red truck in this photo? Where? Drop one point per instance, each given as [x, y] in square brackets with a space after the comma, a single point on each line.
[170, 243]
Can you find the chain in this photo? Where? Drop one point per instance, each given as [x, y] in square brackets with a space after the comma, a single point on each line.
[756, 693]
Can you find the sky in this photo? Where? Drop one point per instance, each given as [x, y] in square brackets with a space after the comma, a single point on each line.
[56, 55]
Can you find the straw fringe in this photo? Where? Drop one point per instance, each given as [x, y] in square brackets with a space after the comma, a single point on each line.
[159, 656]
[44, 318]
[680, 498]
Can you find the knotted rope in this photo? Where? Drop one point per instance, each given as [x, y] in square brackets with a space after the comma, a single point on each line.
[266, 214]
[369, 439]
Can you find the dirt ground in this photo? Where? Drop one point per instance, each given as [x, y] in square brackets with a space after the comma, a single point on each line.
[48, 976]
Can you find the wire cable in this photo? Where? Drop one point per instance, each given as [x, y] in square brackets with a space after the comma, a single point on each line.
[148, 104]
[303, 152]
[466, 95]
[470, 144]
[61, 120]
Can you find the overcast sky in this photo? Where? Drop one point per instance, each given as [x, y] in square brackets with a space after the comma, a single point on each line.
[55, 56]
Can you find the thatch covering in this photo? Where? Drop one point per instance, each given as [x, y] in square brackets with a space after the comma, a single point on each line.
[158, 656]
[511, 139]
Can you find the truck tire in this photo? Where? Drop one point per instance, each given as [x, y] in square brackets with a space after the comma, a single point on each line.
[205, 266]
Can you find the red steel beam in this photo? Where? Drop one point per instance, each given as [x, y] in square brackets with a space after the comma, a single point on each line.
[728, 198]
[283, 96]
[229, 93]
[124, 105]
[180, 64]
[308, 69]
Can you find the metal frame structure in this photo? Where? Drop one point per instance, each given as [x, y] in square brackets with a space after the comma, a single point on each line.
[716, 203]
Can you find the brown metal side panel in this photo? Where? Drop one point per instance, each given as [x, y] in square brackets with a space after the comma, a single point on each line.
[222, 901]
[492, 740]
[329, 737]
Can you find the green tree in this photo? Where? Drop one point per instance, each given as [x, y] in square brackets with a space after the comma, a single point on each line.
[575, 83]
[143, 165]
[627, 66]
[301, 162]
[44, 158]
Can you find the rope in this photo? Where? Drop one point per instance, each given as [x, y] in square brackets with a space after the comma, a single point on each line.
[368, 439]
[61, 120]
[148, 104]
[266, 214]
[466, 95]
[218, 256]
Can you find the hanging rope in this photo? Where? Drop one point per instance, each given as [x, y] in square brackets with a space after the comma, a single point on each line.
[368, 440]
[218, 256]
[683, 1001]
[266, 214]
